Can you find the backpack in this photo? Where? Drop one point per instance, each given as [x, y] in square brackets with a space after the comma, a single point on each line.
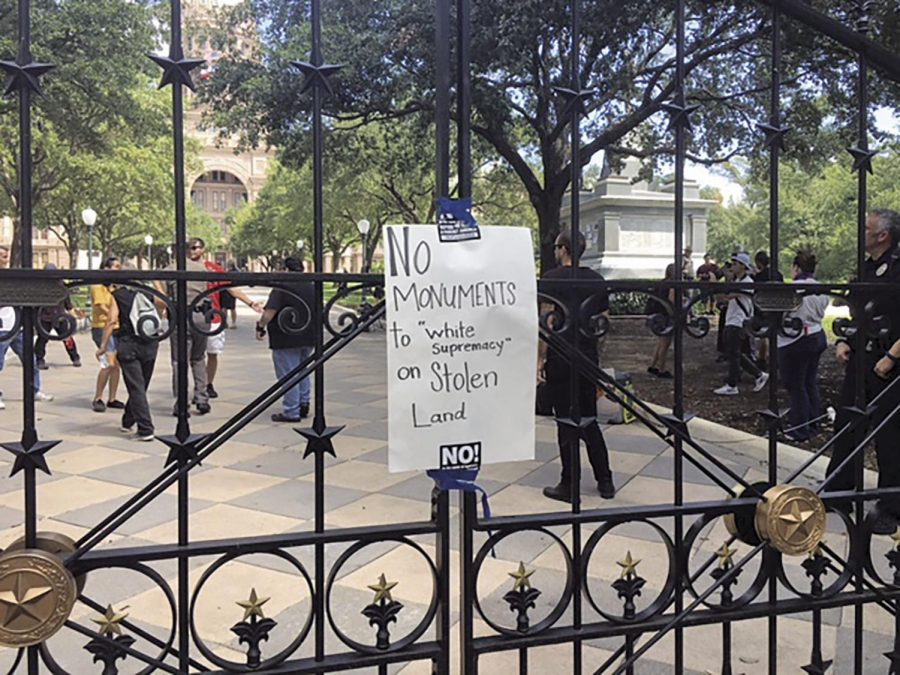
[144, 318]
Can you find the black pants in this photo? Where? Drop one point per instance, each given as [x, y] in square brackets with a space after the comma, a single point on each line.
[40, 344]
[137, 360]
[733, 340]
[887, 441]
[569, 437]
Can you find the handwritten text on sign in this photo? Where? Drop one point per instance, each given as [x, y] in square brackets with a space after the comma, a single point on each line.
[462, 345]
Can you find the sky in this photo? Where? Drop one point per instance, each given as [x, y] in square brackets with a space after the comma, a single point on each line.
[887, 119]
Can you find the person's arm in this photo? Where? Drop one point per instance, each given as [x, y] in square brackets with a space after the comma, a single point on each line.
[240, 295]
[889, 361]
[111, 320]
[161, 306]
[545, 308]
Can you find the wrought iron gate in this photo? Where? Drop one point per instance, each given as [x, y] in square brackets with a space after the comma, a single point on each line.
[40, 577]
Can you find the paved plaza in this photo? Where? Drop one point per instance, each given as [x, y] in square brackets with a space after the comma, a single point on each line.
[258, 483]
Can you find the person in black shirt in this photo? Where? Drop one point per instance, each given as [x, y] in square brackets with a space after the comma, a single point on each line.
[287, 319]
[136, 355]
[554, 369]
[764, 272]
[881, 355]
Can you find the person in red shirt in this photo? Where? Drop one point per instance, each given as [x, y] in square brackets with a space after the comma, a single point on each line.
[215, 344]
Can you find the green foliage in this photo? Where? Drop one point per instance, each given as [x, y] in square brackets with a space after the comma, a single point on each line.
[817, 211]
[521, 52]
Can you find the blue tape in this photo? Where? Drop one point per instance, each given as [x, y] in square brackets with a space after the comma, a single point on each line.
[464, 481]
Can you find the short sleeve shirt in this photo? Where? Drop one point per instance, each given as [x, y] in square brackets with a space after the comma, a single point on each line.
[215, 297]
[740, 308]
[587, 301]
[300, 300]
[101, 298]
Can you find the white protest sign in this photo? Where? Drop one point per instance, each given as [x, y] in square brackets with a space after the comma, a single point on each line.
[462, 346]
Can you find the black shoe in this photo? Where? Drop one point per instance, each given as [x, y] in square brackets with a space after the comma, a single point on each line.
[304, 410]
[175, 413]
[881, 522]
[281, 417]
[42, 364]
[98, 406]
[212, 393]
[558, 492]
[76, 363]
[203, 408]
[115, 404]
[606, 488]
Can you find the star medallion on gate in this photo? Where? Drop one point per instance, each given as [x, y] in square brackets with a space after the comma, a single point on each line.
[37, 594]
[791, 519]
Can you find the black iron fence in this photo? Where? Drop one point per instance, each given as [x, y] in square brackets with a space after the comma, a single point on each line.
[698, 589]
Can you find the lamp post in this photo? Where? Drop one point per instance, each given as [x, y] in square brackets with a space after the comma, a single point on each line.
[89, 217]
[148, 239]
[363, 227]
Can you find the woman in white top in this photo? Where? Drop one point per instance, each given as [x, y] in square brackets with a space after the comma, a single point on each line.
[798, 357]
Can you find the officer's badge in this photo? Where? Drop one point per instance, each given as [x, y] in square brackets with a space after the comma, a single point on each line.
[881, 270]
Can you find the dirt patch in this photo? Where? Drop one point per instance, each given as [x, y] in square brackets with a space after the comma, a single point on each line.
[630, 345]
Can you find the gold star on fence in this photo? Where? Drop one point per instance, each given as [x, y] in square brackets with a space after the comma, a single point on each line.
[109, 622]
[896, 538]
[253, 606]
[725, 556]
[383, 589]
[21, 599]
[522, 577]
[629, 566]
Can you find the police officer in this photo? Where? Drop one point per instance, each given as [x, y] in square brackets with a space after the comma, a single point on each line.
[882, 366]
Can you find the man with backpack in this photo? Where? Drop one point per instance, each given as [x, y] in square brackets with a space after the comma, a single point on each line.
[739, 309]
[138, 324]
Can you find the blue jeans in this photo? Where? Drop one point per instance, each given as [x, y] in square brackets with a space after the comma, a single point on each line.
[18, 347]
[285, 361]
[798, 364]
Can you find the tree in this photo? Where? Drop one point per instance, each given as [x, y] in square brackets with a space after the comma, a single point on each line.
[817, 211]
[96, 92]
[521, 53]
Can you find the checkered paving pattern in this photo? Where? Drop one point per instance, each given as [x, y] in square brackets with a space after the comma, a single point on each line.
[258, 483]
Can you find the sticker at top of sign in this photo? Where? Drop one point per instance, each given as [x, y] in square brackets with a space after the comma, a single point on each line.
[455, 220]
[462, 339]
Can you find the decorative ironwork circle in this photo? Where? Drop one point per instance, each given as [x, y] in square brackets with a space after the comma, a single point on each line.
[791, 519]
[233, 666]
[661, 601]
[846, 573]
[56, 544]
[164, 648]
[416, 632]
[745, 598]
[37, 594]
[561, 605]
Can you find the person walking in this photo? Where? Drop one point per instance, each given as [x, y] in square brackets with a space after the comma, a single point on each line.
[709, 272]
[101, 301]
[739, 309]
[764, 273]
[663, 342]
[215, 344]
[137, 358]
[553, 369]
[293, 347]
[798, 356]
[881, 356]
[196, 339]
[48, 318]
[16, 341]
[228, 302]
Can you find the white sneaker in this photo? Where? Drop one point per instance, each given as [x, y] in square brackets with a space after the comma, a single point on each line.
[41, 396]
[146, 438]
[2, 405]
[726, 390]
[126, 430]
[761, 381]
